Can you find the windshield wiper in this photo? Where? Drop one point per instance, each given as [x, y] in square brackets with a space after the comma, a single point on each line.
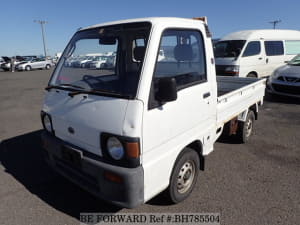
[71, 85]
[60, 86]
[98, 92]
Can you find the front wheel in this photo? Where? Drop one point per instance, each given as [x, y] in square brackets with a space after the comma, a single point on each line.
[47, 67]
[28, 68]
[184, 175]
[245, 129]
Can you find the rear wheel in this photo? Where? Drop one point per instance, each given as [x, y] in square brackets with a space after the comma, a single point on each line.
[245, 129]
[184, 175]
[251, 75]
[47, 67]
[28, 68]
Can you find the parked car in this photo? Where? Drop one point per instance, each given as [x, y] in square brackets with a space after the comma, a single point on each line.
[255, 53]
[35, 64]
[286, 79]
[80, 63]
[70, 61]
[1, 61]
[98, 62]
[6, 66]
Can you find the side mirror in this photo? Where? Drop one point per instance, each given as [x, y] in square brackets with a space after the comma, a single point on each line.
[167, 89]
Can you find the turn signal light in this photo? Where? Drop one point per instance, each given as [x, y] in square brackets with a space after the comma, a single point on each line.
[113, 177]
[132, 149]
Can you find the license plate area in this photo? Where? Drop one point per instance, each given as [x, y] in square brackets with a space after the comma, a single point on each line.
[71, 155]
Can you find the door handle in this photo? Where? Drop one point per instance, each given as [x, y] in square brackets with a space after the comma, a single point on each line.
[260, 58]
[206, 95]
[267, 60]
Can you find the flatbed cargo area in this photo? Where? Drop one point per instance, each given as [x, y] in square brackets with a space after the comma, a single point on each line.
[235, 94]
[228, 84]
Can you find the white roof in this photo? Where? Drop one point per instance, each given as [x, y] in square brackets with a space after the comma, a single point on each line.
[152, 20]
[270, 34]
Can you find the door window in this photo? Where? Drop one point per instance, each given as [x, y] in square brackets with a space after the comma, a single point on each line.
[253, 48]
[274, 48]
[184, 58]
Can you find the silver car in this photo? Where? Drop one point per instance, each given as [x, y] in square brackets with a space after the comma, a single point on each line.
[35, 64]
[286, 79]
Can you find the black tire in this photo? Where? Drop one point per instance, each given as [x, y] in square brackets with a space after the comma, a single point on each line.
[28, 68]
[47, 67]
[184, 175]
[252, 75]
[245, 129]
[104, 66]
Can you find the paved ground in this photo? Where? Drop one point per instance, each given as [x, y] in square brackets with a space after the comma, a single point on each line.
[256, 183]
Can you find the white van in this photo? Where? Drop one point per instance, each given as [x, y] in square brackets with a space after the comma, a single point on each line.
[255, 53]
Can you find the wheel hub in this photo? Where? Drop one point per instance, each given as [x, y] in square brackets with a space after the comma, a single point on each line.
[185, 177]
[248, 128]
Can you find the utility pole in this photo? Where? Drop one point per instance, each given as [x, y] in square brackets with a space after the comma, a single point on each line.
[275, 22]
[42, 23]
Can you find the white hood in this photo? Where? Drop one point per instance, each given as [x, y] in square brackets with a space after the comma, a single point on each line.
[87, 116]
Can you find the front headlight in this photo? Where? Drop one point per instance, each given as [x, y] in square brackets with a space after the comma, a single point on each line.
[274, 75]
[115, 148]
[232, 69]
[47, 123]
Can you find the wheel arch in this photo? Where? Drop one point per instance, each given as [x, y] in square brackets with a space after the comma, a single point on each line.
[252, 72]
[198, 147]
[242, 116]
[254, 108]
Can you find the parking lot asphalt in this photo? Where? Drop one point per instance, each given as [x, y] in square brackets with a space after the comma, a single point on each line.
[253, 183]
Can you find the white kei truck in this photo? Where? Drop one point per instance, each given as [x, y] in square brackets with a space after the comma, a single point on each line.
[126, 134]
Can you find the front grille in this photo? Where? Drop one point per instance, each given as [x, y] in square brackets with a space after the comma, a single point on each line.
[294, 90]
[220, 70]
[289, 79]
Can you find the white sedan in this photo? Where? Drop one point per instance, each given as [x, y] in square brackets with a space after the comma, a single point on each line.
[35, 64]
[286, 79]
[98, 62]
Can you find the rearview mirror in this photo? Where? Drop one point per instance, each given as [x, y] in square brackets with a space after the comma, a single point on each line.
[167, 89]
[105, 40]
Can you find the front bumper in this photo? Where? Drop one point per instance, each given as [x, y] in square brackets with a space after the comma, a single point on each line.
[283, 88]
[90, 174]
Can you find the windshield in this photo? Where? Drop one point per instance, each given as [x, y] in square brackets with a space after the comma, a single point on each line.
[295, 61]
[104, 60]
[227, 49]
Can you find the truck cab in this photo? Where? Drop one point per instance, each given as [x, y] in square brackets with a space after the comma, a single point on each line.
[129, 132]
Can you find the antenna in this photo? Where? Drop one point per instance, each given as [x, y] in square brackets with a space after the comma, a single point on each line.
[275, 22]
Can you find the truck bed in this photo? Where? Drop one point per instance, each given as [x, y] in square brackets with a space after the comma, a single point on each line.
[236, 94]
